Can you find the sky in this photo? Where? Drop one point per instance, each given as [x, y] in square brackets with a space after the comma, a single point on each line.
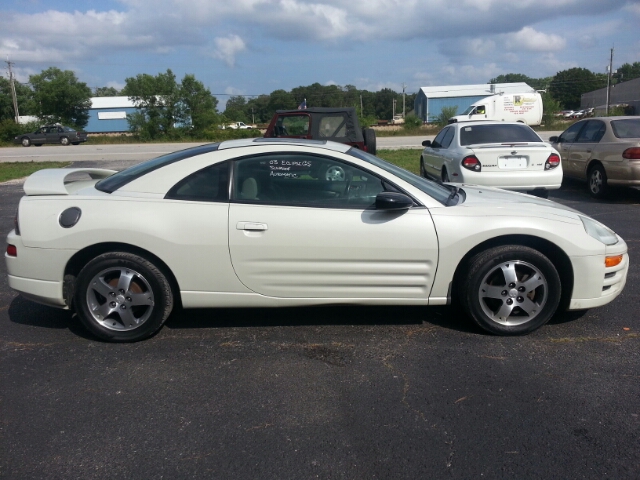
[253, 47]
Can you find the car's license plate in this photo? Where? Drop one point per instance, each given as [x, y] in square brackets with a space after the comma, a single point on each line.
[512, 162]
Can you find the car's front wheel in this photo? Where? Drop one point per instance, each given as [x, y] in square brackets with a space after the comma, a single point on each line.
[25, 142]
[423, 172]
[122, 297]
[510, 290]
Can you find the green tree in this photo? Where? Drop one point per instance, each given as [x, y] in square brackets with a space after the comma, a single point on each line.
[24, 96]
[282, 100]
[158, 100]
[236, 109]
[628, 71]
[58, 96]
[567, 86]
[384, 103]
[105, 92]
[200, 107]
[445, 114]
[549, 108]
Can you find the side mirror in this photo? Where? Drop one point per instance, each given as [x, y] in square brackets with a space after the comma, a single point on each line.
[393, 201]
[426, 143]
[554, 139]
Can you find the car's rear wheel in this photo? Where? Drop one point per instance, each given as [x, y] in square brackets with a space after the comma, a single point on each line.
[510, 290]
[597, 178]
[25, 142]
[64, 141]
[122, 297]
[369, 135]
[37, 144]
[75, 143]
[423, 172]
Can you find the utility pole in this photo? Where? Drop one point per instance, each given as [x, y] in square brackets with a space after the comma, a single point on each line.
[13, 91]
[394, 108]
[609, 84]
[403, 100]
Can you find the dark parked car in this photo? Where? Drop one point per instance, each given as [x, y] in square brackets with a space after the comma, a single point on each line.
[52, 134]
[338, 124]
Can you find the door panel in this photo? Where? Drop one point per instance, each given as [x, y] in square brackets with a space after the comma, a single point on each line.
[333, 253]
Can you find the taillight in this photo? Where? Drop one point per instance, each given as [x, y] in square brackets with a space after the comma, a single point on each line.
[552, 162]
[16, 223]
[472, 163]
[632, 153]
[12, 250]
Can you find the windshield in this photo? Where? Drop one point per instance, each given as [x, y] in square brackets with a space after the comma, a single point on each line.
[439, 192]
[468, 110]
[118, 180]
[497, 133]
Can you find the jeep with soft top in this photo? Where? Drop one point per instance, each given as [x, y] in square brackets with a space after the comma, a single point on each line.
[338, 124]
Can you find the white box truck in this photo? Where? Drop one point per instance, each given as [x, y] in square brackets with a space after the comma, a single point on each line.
[505, 107]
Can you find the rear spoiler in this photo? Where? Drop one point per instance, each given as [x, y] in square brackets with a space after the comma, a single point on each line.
[52, 181]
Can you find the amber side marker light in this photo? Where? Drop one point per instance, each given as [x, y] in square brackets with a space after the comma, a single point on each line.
[612, 261]
[12, 250]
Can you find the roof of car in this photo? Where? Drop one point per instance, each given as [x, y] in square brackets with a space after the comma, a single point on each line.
[350, 110]
[487, 122]
[247, 142]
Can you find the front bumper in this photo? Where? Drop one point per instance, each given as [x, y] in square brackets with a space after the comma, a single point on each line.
[596, 285]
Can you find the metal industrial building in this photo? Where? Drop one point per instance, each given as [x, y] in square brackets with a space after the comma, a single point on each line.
[431, 100]
[625, 94]
[109, 114]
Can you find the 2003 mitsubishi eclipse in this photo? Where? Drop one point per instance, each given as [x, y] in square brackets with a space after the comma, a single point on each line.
[247, 223]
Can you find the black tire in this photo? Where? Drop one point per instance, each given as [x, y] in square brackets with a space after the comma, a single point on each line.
[539, 192]
[75, 143]
[510, 306]
[25, 141]
[423, 172]
[37, 144]
[444, 175]
[64, 141]
[122, 297]
[597, 181]
[369, 135]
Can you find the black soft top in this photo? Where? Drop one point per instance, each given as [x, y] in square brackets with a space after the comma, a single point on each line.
[352, 130]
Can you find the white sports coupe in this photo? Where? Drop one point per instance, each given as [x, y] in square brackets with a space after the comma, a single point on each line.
[286, 222]
[507, 155]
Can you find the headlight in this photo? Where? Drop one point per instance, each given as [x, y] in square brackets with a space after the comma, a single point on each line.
[599, 231]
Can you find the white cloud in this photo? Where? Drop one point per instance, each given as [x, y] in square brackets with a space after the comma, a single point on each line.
[228, 47]
[534, 41]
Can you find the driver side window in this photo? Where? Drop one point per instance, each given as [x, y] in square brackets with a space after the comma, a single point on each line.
[569, 136]
[437, 142]
[305, 181]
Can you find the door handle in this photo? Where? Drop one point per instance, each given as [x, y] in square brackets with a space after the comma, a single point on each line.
[252, 226]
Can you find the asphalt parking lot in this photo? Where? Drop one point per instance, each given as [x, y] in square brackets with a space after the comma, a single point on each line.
[333, 392]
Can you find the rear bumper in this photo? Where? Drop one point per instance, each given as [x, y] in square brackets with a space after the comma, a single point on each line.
[37, 273]
[40, 291]
[513, 180]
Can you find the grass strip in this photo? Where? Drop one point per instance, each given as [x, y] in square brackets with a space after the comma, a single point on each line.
[13, 170]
